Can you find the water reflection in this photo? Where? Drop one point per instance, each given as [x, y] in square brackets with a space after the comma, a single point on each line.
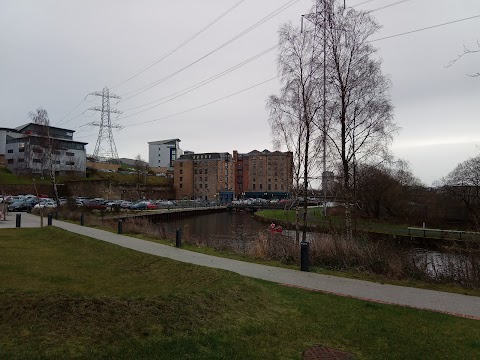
[235, 231]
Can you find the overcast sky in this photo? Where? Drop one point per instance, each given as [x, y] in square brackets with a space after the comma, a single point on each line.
[53, 53]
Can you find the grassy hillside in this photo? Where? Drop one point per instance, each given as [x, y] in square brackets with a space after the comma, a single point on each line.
[7, 178]
[66, 296]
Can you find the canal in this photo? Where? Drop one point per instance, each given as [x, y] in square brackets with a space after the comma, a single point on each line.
[241, 233]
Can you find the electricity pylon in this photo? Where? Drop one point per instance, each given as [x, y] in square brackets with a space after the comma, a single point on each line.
[105, 149]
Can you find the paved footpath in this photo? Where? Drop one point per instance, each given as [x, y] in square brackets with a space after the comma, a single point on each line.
[455, 304]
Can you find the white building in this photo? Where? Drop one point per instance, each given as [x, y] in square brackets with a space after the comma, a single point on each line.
[163, 153]
[35, 148]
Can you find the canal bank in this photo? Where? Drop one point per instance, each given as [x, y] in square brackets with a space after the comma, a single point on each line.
[456, 304]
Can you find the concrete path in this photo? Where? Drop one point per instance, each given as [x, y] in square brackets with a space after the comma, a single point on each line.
[26, 220]
[455, 304]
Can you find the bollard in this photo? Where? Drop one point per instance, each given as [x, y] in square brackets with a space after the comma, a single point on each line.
[82, 219]
[120, 227]
[304, 256]
[178, 238]
[18, 220]
[50, 216]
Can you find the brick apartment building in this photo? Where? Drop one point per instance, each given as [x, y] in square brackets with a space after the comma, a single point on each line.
[221, 177]
[263, 174]
[208, 176]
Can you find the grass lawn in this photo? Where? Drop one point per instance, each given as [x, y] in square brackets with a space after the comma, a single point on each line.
[66, 296]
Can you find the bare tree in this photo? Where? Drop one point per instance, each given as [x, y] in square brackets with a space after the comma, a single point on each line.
[140, 167]
[467, 51]
[385, 190]
[463, 183]
[293, 111]
[358, 105]
[46, 148]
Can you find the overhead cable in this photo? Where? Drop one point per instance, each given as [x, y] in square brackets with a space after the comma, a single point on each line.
[238, 36]
[163, 57]
[206, 104]
[197, 85]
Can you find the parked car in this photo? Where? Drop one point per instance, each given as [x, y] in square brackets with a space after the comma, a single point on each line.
[125, 204]
[45, 204]
[20, 206]
[91, 204]
[141, 205]
[151, 206]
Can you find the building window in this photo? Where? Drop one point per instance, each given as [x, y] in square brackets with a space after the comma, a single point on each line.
[181, 164]
[10, 151]
[69, 163]
[181, 171]
[37, 160]
[281, 186]
[253, 186]
[269, 187]
[206, 186]
[57, 162]
[20, 160]
[37, 150]
[206, 171]
[181, 178]
[200, 186]
[56, 152]
[173, 156]
[10, 161]
[275, 186]
[69, 154]
[201, 178]
[21, 150]
[181, 186]
[260, 186]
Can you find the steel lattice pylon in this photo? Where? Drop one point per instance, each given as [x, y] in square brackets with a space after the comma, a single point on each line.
[105, 149]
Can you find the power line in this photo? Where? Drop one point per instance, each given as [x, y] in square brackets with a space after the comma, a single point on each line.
[203, 105]
[163, 57]
[387, 6]
[364, 2]
[238, 92]
[426, 28]
[75, 107]
[197, 85]
[238, 36]
[228, 96]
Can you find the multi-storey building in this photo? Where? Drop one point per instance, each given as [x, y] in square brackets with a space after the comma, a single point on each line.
[163, 153]
[208, 176]
[3, 140]
[38, 149]
[263, 174]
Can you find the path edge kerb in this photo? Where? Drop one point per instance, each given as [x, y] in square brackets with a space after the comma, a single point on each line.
[465, 316]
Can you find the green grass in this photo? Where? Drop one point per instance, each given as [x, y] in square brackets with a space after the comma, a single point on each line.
[66, 296]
